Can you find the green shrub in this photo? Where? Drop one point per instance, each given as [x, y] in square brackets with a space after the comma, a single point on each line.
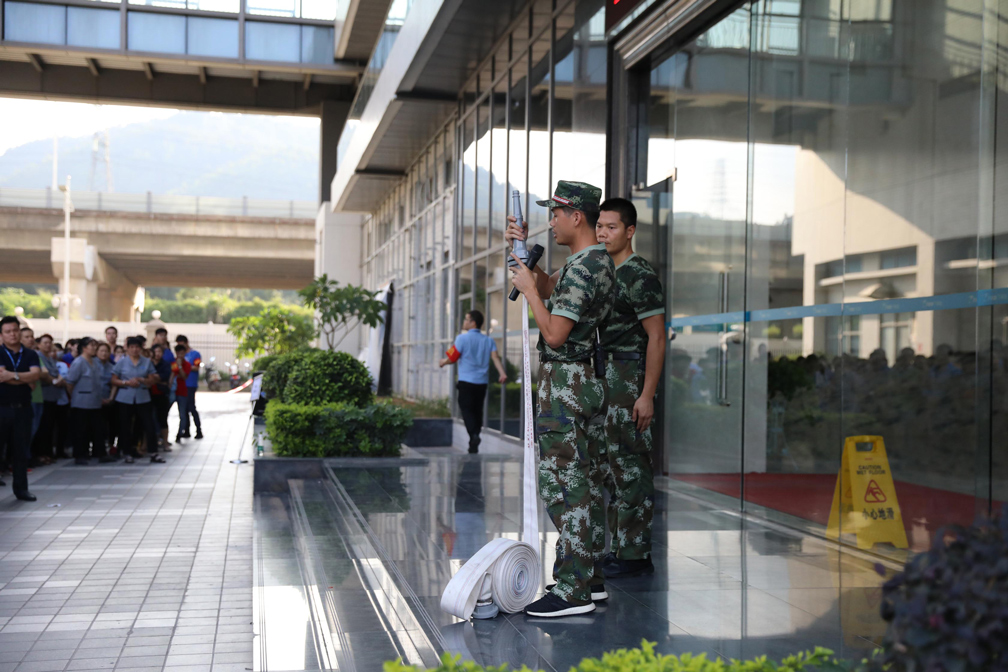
[327, 377]
[279, 370]
[645, 659]
[263, 363]
[336, 430]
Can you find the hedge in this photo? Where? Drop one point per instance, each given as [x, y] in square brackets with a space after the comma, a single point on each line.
[278, 371]
[336, 430]
[324, 377]
[263, 363]
[645, 659]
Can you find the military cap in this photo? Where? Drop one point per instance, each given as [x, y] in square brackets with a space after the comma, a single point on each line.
[577, 195]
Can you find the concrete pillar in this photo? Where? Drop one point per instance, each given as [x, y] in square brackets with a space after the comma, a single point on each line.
[101, 292]
[338, 255]
[333, 116]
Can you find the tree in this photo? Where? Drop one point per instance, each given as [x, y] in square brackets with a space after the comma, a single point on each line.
[274, 331]
[339, 309]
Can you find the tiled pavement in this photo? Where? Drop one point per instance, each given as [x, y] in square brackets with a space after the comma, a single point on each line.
[134, 567]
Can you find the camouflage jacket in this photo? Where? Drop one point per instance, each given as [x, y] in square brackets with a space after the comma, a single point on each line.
[638, 295]
[583, 293]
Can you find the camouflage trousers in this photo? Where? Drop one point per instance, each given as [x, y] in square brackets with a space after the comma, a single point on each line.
[570, 398]
[626, 468]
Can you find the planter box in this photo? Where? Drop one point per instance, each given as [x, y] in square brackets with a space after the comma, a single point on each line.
[429, 433]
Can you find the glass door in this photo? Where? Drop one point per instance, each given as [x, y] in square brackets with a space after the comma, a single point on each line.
[697, 108]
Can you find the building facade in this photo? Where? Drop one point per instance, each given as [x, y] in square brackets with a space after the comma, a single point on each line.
[816, 182]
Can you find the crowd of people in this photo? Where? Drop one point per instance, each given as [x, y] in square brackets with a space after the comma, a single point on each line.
[102, 400]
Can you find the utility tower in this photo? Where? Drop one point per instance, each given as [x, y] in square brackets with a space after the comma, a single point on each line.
[101, 151]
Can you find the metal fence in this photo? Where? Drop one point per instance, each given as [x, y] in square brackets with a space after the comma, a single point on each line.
[160, 203]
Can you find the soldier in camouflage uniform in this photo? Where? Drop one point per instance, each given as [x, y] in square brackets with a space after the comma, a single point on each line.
[634, 340]
[579, 298]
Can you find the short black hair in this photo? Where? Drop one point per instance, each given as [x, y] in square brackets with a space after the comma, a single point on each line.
[590, 215]
[180, 348]
[72, 341]
[477, 318]
[134, 340]
[158, 346]
[622, 207]
[49, 336]
[24, 329]
[10, 319]
[181, 339]
[160, 330]
[113, 328]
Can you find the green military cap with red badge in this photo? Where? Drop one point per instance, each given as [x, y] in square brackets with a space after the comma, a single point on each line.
[577, 195]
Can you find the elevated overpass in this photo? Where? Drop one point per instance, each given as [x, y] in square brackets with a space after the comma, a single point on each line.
[120, 242]
[264, 56]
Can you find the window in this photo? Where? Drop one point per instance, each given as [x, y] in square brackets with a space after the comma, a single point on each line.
[29, 22]
[895, 334]
[213, 37]
[272, 42]
[899, 258]
[317, 44]
[156, 32]
[98, 28]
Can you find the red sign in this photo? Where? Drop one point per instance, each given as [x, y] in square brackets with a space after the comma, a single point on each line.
[615, 10]
[873, 493]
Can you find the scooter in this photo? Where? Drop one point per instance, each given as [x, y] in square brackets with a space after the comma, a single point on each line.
[213, 377]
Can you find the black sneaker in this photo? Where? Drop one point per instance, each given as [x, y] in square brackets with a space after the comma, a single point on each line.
[621, 569]
[551, 606]
[199, 433]
[598, 592]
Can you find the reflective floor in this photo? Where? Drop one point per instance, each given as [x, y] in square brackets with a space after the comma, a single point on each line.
[723, 585]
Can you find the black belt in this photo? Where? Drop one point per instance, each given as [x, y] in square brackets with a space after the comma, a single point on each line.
[627, 356]
[586, 360]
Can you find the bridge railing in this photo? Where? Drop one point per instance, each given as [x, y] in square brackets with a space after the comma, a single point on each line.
[160, 203]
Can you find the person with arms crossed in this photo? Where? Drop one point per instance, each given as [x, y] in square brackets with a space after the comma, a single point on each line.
[571, 396]
[85, 385]
[160, 394]
[473, 351]
[19, 368]
[134, 375]
[108, 393]
[634, 341]
[192, 382]
[53, 390]
[37, 402]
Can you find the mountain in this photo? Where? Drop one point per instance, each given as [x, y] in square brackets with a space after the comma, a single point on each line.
[189, 153]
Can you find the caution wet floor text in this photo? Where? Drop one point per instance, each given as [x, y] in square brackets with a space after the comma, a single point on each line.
[864, 498]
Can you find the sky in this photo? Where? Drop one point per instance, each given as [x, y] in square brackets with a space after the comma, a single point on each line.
[29, 120]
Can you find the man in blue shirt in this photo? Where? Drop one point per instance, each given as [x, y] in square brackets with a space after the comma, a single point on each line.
[473, 352]
[193, 357]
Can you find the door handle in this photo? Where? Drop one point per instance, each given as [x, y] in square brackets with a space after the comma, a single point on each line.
[722, 365]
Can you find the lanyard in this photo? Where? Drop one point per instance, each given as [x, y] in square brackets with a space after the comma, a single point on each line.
[11, 357]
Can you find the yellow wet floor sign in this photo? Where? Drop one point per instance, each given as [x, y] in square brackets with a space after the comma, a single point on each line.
[868, 506]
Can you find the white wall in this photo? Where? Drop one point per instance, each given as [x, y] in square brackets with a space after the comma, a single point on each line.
[338, 255]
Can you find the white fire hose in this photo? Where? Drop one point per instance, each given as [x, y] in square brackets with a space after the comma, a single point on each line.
[505, 574]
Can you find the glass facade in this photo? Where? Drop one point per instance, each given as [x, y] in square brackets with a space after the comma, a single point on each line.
[536, 106]
[835, 266]
[820, 211]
